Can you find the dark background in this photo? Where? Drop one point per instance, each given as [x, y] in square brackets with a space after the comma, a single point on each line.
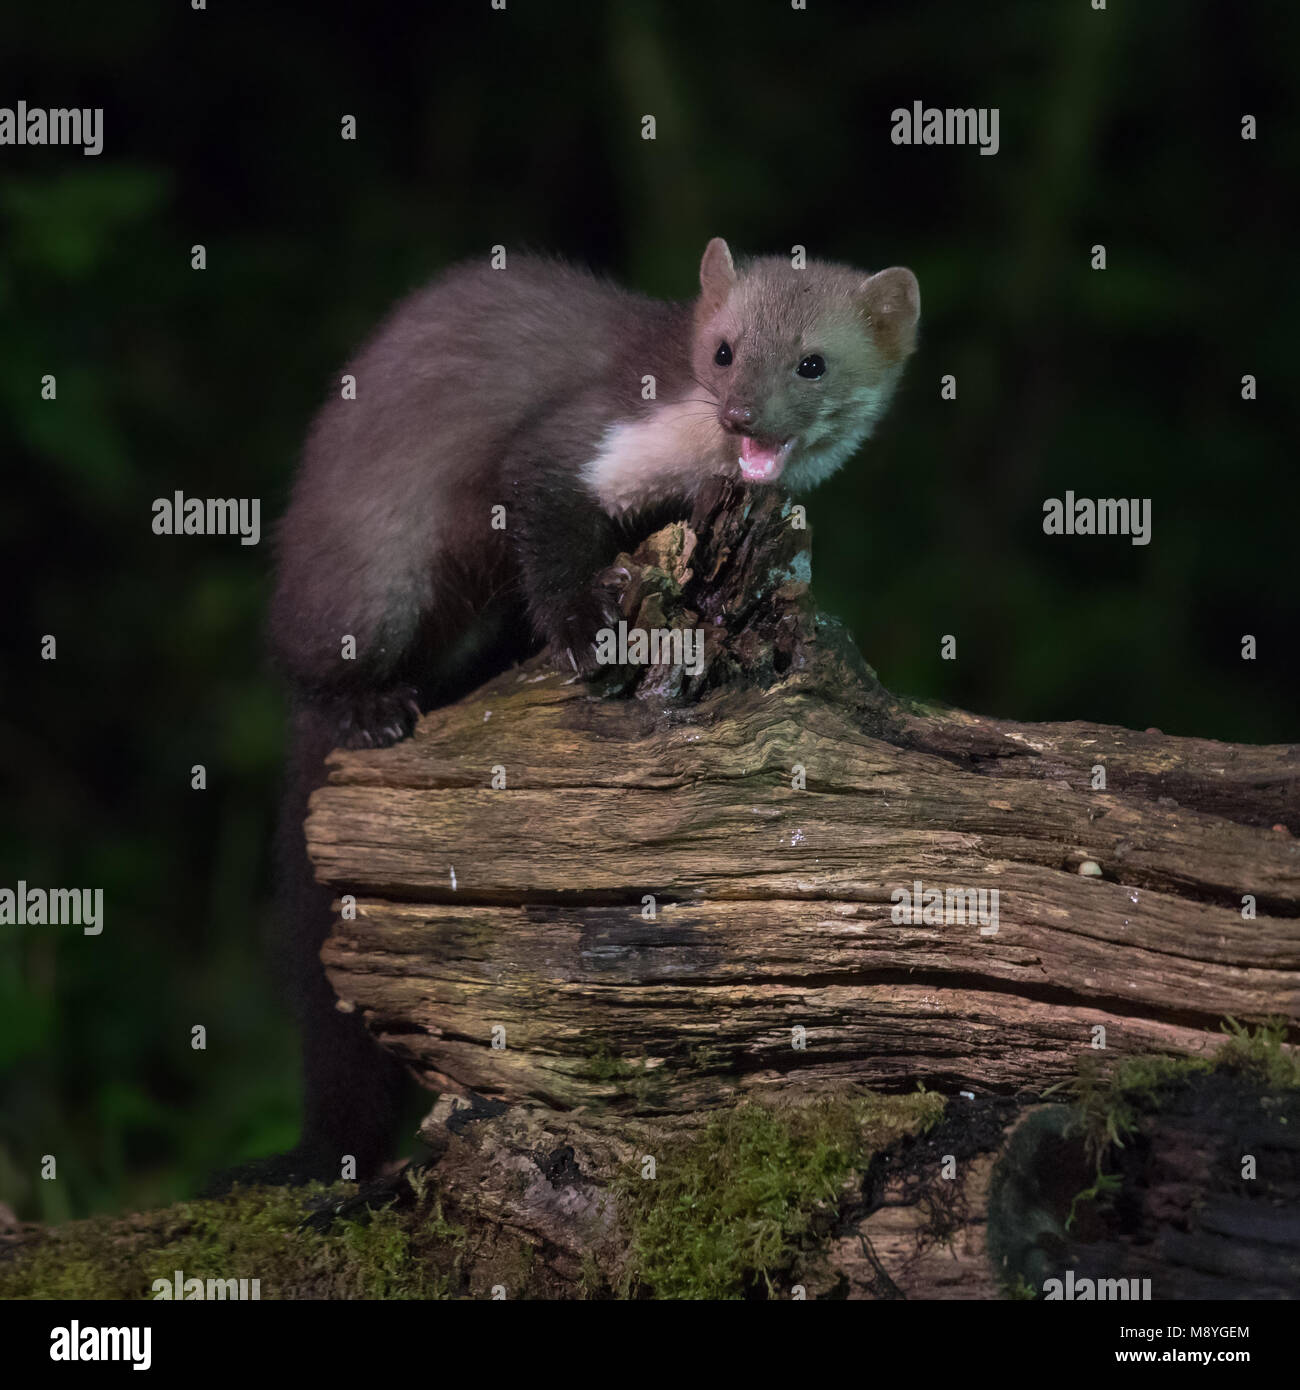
[477, 127]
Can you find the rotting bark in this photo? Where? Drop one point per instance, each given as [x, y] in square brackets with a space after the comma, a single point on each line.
[524, 913]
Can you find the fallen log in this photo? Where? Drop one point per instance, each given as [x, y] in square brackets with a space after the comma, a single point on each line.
[603, 915]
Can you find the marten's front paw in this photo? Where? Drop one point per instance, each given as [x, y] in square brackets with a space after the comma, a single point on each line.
[377, 718]
[575, 642]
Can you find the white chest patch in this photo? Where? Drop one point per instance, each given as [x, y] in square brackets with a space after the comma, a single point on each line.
[672, 450]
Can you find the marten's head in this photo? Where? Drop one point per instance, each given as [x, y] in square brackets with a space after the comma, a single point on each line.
[801, 362]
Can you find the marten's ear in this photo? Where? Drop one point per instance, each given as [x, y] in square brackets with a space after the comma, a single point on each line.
[717, 275]
[891, 299]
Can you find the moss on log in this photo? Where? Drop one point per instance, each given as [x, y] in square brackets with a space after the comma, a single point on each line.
[598, 918]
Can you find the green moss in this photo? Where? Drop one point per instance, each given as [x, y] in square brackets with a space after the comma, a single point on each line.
[256, 1234]
[705, 1057]
[605, 1065]
[1107, 1107]
[1262, 1053]
[592, 1282]
[634, 1081]
[728, 1207]
[1105, 1187]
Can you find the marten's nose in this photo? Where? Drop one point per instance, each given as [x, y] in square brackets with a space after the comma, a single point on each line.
[740, 418]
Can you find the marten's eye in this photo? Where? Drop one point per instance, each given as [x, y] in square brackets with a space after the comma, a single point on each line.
[723, 355]
[812, 366]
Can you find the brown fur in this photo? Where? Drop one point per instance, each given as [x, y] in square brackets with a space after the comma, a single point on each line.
[522, 388]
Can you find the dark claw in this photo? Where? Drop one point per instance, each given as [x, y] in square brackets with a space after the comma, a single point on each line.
[378, 718]
[576, 638]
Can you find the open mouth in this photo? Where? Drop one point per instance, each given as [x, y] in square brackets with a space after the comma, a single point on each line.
[761, 460]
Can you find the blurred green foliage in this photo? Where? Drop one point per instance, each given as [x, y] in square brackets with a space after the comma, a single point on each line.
[523, 127]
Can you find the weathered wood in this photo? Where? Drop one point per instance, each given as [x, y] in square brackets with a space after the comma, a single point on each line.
[767, 810]
[773, 906]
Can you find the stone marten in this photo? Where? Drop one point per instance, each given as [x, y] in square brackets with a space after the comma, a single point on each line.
[583, 411]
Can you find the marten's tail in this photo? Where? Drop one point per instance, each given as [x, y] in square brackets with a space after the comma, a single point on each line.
[352, 1089]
